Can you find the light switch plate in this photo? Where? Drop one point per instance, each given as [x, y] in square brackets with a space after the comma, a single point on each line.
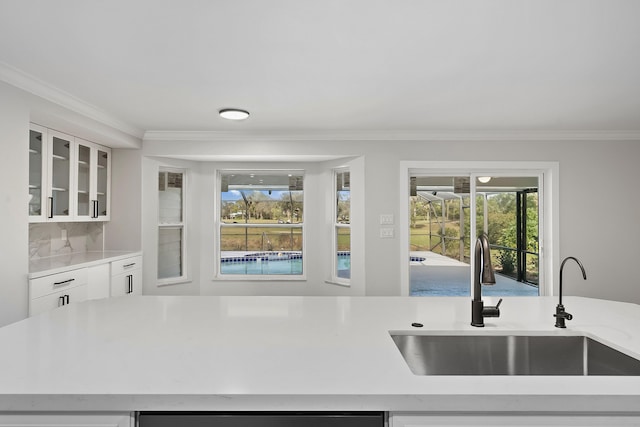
[386, 233]
[386, 219]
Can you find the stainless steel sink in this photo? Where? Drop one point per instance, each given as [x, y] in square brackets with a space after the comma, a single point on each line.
[512, 355]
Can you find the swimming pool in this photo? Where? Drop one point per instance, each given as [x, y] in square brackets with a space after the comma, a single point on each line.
[276, 263]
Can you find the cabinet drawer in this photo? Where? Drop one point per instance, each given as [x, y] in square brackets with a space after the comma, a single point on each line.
[49, 302]
[125, 265]
[57, 282]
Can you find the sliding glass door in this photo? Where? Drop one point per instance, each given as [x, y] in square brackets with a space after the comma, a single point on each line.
[444, 224]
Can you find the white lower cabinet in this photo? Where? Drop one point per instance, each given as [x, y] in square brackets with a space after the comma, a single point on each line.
[126, 277]
[103, 280]
[123, 419]
[99, 278]
[559, 420]
[57, 290]
[58, 299]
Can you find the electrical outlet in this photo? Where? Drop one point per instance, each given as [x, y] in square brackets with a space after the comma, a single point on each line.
[63, 235]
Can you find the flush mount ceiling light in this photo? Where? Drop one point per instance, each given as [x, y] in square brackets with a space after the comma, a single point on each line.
[233, 114]
[484, 179]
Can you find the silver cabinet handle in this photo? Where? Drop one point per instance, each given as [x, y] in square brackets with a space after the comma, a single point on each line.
[129, 265]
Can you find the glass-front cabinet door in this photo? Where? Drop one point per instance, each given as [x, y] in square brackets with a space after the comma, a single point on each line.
[84, 206]
[103, 183]
[37, 173]
[60, 161]
[92, 181]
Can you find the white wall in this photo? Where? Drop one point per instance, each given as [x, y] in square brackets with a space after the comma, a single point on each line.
[14, 175]
[599, 208]
[124, 231]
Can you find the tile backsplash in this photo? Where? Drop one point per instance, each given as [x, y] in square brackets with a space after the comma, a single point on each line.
[48, 239]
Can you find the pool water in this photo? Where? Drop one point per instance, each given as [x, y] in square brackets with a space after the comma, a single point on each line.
[277, 266]
[265, 267]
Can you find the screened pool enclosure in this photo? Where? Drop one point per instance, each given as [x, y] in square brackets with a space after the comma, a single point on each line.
[506, 208]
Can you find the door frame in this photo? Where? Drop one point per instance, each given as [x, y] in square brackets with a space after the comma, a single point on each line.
[547, 172]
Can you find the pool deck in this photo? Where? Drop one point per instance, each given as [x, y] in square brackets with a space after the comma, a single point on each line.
[439, 275]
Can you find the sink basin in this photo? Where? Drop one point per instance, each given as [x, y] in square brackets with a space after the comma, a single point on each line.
[512, 355]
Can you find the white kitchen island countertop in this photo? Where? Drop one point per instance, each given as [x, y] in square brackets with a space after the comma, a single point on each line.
[292, 353]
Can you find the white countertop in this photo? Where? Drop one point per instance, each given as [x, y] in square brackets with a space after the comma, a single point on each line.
[291, 353]
[58, 263]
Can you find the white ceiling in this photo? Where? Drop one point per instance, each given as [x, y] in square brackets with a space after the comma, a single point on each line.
[336, 65]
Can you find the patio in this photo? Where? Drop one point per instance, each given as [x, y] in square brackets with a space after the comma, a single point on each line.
[438, 275]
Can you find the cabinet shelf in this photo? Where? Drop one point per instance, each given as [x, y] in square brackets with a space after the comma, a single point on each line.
[83, 164]
[32, 151]
[59, 157]
[33, 187]
[59, 189]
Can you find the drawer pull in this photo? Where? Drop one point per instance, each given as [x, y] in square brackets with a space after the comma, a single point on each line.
[63, 300]
[129, 265]
[64, 282]
[130, 284]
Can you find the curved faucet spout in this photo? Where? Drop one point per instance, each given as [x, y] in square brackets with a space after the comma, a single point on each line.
[482, 269]
[561, 315]
[482, 274]
[584, 275]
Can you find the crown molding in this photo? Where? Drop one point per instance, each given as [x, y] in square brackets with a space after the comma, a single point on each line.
[42, 89]
[35, 86]
[385, 135]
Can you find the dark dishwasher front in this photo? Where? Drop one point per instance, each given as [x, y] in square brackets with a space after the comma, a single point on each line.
[261, 419]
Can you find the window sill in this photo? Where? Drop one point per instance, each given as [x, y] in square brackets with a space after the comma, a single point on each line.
[173, 281]
[258, 278]
[336, 282]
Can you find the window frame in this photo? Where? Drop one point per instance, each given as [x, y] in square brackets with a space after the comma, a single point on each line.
[219, 224]
[182, 225]
[334, 278]
[549, 192]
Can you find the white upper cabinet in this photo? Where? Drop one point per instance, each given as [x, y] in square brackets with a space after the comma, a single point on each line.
[59, 174]
[91, 194]
[38, 193]
[69, 178]
[50, 160]
[103, 183]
